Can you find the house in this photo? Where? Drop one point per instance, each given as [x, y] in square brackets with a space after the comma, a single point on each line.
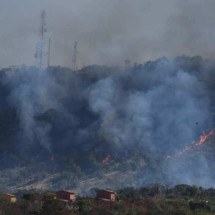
[106, 195]
[66, 195]
[9, 197]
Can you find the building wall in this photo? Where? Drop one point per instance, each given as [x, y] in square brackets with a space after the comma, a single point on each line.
[102, 194]
[13, 199]
[66, 195]
[72, 197]
[10, 198]
[113, 197]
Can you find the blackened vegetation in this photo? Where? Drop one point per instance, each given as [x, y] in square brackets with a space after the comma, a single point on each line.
[64, 121]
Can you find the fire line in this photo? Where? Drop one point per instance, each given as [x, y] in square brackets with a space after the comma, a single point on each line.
[203, 138]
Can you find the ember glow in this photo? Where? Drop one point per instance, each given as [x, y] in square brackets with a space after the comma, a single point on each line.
[106, 160]
[203, 138]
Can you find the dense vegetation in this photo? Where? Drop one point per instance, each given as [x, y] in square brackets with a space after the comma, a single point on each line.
[156, 199]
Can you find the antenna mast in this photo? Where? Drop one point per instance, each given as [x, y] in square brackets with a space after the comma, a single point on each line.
[75, 55]
[40, 53]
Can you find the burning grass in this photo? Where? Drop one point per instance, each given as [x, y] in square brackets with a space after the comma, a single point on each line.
[188, 148]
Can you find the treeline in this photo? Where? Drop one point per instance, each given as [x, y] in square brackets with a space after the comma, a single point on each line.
[182, 190]
[157, 199]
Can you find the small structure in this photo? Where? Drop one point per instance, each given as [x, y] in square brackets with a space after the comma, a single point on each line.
[66, 195]
[106, 195]
[9, 197]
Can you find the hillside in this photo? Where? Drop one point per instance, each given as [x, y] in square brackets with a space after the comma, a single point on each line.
[63, 129]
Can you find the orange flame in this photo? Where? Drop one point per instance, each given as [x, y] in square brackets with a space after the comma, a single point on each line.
[203, 138]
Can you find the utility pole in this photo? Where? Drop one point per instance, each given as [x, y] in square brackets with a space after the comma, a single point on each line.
[49, 52]
[75, 55]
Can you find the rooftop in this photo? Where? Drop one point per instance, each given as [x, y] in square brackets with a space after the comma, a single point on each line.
[66, 191]
[106, 190]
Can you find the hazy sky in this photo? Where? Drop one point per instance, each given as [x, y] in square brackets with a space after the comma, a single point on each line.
[108, 31]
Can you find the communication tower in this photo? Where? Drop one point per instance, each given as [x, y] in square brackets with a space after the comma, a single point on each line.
[40, 53]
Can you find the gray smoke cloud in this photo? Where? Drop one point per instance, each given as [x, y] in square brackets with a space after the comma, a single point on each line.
[108, 31]
[162, 116]
[32, 92]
